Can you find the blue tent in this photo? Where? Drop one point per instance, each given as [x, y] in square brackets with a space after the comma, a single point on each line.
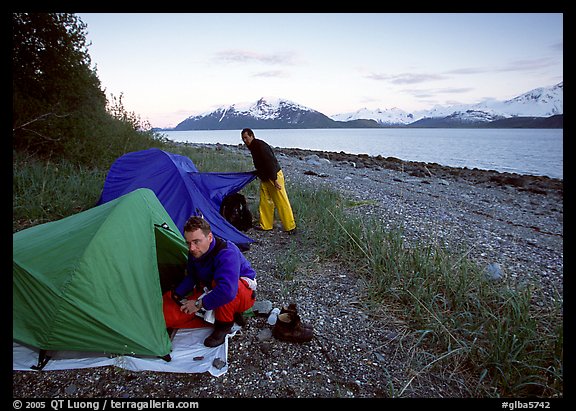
[181, 188]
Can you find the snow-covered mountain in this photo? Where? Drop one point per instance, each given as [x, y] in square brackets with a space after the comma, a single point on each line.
[273, 112]
[540, 102]
[390, 116]
[269, 112]
[266, 108]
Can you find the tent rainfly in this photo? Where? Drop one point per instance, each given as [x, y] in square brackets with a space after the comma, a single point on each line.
[180, 187]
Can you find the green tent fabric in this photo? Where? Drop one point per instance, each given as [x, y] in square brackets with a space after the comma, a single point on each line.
[92, 281]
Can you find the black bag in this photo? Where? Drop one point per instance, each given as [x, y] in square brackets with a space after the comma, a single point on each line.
[235, 210]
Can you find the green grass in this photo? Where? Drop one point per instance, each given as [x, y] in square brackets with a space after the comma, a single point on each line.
[47, 191]
[509, 346]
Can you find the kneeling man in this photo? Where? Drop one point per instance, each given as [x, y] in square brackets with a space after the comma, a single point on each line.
[218, 267]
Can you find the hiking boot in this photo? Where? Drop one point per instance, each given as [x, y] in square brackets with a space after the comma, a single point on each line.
[289, 328]
[291, 308]
[240, 319]
[218, 336]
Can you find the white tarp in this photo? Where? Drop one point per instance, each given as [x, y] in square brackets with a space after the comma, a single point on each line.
[189, 355]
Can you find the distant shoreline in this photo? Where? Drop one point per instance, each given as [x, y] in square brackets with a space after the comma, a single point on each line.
[523, 182]
[525, 152]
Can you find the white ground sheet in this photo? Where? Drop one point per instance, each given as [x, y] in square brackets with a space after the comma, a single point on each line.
[189, 355]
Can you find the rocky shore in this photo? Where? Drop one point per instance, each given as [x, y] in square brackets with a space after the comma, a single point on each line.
[535, 184]
[513, 222]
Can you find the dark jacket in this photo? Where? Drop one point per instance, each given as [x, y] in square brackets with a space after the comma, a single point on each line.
[265, 161]
[219, 269]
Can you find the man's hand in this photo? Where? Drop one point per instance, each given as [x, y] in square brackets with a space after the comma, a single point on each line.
[277, 185]
[189, 307]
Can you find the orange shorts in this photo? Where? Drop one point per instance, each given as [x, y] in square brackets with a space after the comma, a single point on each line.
[225, 313]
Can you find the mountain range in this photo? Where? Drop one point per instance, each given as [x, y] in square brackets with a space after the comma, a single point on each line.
[538, 108]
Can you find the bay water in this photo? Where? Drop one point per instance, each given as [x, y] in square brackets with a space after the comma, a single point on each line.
[522, 151]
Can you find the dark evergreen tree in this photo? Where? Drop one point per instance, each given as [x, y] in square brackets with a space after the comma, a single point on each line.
[56, 94]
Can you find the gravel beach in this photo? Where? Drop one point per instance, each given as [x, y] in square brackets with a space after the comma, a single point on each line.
[513, 221]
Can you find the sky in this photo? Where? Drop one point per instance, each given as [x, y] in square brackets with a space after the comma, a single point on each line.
[170, 66]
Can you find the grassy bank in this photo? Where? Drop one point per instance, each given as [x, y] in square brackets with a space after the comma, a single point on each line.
[510, 346]
[506, 346]
[49, 190]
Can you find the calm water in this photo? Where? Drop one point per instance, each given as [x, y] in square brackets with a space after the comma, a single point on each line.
[522, 151]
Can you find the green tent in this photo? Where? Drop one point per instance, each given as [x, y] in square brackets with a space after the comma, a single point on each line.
[93, 281]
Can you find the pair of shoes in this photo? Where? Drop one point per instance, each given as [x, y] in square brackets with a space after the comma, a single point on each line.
[291, 232]
[291, 308]
[288, 327]
[218, 336]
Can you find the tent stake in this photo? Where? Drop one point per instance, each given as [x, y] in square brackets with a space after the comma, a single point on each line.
[166, 357]
[43, 359]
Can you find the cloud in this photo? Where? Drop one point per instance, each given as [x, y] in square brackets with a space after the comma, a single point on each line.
[527, 65]
[271, 74]
[433, 93]
[468, 70]
[518, 65]
[454, 90]
[558, 46]
[247, 56]
[405, 78]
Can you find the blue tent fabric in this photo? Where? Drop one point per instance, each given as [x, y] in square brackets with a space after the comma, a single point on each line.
[181, 188]
[216, 186]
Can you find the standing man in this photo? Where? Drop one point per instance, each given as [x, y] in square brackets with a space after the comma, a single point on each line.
[220, 267]
[272, 188]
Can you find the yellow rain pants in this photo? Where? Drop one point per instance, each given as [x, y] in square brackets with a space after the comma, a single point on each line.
[271, 197]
